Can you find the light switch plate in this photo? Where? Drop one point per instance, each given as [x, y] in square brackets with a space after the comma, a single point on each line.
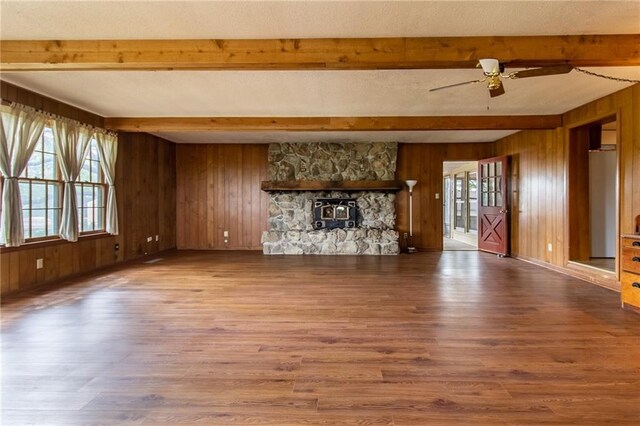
[39, 263]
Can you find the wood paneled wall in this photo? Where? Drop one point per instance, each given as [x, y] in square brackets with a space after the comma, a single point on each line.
[540, 173]
[625, 105]
[145, 189]
[218, 189]
[537, 198]
[424, 163]
[190, 194]
[147, 200]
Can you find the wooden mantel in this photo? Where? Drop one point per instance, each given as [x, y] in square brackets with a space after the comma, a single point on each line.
[332, 185]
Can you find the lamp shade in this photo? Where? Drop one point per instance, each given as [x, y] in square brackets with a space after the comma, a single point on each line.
[490, 66]
[411, 183]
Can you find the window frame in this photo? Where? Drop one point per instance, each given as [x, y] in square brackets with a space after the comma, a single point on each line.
[100, 184]
[56, 180]
[470, 201]
[46, 209]
[459, 201]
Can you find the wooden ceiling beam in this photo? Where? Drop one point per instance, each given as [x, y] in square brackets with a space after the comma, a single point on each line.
[319, 54]
[208, 124]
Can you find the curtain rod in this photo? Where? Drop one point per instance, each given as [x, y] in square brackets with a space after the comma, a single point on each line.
[59, 117]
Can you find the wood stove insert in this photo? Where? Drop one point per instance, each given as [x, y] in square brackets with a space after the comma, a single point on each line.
[332, 213]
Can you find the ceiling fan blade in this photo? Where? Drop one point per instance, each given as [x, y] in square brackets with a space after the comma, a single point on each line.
[497, 91]
[455, 85]
[539, 72]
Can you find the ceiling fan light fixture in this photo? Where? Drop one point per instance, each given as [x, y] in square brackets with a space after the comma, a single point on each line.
[493, 82]
[490, 66]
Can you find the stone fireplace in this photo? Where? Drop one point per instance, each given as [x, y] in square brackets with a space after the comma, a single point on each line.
[350, 221]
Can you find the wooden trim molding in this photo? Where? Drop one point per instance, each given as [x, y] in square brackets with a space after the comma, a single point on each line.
[383, 123]
[631, 308]
[319, 53]
[321, 185]
[54, 240]
[64, 281]
[589, 275]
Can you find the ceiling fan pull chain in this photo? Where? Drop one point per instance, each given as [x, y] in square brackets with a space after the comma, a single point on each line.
[608, 77]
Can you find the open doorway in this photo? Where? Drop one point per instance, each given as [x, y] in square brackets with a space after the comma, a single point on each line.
[460, 205]
[593, 200]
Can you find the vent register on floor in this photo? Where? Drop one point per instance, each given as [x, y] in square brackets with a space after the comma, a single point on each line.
[331, 222]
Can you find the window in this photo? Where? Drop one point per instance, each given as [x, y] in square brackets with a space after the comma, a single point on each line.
[472, 200]
[460, 201]
[41, 197]
[466, 202]
[40, 190]
[90, 192]
[446, 205]
[492, 184]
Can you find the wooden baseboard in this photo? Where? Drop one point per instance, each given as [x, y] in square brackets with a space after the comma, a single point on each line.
[257, 248]
[587, 274]
[628, 307]
[61, 282]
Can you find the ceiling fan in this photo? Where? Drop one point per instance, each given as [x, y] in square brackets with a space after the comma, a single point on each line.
[494, 71]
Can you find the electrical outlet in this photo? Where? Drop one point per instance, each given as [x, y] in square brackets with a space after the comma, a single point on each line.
[39, 263]
[405, 235]
[149, 239]
[157, 237]
[437, 195]
[549, 247]
[226, 234]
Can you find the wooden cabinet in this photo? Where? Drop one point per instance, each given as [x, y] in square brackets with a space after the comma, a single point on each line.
[630, 276]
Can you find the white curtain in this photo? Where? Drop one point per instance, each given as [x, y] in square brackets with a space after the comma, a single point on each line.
[21, 128]
[72, 142]
[108, 150]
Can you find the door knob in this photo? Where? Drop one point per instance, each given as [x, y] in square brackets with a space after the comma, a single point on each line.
[504, 211]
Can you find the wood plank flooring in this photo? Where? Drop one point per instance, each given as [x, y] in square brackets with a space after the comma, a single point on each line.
[241, 338]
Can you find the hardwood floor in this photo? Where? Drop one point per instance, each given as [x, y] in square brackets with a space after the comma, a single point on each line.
[241, 338]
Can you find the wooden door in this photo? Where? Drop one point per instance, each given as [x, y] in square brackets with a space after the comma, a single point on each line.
[493, 206]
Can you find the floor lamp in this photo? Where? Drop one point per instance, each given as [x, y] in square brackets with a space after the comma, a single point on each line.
[411, 184]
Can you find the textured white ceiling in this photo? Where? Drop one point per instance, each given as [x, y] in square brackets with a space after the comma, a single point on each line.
[304, 19]
[279, 136]
[449, 166]
[313, 93]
